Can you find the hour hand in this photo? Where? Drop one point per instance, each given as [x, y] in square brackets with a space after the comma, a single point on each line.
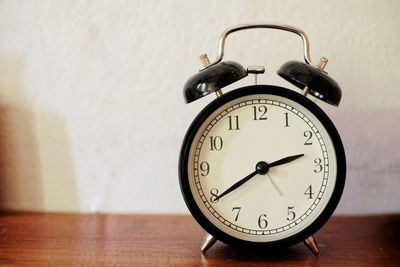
[284, 160]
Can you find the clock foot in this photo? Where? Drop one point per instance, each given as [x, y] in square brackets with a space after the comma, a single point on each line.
[208, 242]
[311, 244]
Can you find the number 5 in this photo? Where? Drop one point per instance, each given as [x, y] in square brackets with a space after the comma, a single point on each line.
[291, 214]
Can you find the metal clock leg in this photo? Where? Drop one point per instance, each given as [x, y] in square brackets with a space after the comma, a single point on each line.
[311, 244]
[208, 242]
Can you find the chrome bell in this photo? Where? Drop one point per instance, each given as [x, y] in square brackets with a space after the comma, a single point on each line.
[313, 79]
[212, 78]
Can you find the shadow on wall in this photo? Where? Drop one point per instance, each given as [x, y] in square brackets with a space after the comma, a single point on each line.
[20, 185]
[36, 171]
[371, 140]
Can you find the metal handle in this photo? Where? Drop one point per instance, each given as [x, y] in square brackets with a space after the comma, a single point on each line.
[306, 43]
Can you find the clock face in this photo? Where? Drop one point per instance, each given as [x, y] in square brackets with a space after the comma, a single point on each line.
[262, 166]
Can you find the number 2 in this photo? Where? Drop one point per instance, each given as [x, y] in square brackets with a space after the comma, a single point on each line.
[308, 134]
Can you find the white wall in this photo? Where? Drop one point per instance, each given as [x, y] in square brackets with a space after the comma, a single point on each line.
[91, 107]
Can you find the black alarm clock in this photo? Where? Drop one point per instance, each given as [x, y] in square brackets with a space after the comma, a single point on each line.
[262, 165]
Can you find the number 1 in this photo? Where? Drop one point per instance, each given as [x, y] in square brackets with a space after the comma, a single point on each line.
[286, 119]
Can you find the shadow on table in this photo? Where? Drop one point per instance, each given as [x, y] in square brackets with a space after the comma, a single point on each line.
[221, 253]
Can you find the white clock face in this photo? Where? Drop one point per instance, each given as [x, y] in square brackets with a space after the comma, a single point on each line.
[269, 206]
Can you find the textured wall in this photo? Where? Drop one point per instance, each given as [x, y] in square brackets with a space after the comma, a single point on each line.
[91, 108]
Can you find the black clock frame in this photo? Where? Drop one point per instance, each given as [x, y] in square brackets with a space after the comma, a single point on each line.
[252, 90]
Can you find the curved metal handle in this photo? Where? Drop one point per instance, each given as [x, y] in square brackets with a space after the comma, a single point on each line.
[306, 43]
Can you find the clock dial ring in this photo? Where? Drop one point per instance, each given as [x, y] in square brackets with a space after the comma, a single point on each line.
[251, 90]
[203, 139]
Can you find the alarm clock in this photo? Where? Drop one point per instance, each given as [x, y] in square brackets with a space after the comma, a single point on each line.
[262, 166]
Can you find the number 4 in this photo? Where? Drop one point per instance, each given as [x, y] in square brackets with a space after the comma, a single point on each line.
[309, 192]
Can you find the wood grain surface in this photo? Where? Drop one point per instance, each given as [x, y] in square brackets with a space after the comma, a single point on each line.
[43, 239]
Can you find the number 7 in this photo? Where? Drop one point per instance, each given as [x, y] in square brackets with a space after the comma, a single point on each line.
[237, 209]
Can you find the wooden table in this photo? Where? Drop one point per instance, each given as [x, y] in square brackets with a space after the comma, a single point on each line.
[37, 239]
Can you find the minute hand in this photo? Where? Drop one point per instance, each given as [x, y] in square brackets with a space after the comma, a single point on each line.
[237, 184]
[284, 160]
